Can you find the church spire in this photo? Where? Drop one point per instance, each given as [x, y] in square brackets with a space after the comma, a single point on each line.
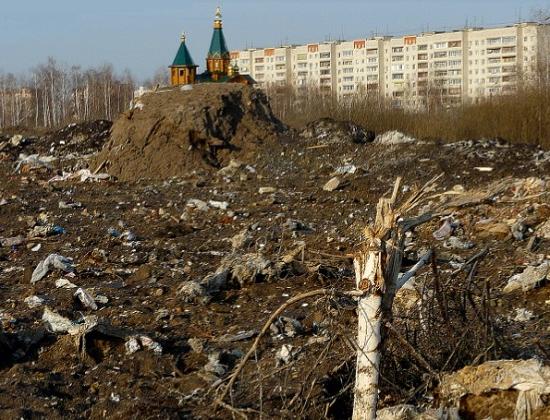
[218, 19]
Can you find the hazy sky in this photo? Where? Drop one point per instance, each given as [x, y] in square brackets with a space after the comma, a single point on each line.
[143, 35]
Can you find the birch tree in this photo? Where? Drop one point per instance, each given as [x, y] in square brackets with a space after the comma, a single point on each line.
[377, 273]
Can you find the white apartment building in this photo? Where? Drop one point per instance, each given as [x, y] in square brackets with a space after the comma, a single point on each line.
[452, 66]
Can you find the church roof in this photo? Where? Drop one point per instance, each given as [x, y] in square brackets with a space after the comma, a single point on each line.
[218, 46]
[183, 57]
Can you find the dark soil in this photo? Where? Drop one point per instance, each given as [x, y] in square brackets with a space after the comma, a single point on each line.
[43, 375]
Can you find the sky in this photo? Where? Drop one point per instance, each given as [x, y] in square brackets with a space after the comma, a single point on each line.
[143, 35]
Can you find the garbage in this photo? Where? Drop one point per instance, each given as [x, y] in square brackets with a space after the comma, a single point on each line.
[43, 231]
[135, 343]
[544, 230]
[267, 190]
[197, 204]
[221, 205]
[391, 138]
[456, 243]
[82, 175]
[86, 299]
[285, 355]
[31, 162]
[245, 269]
[331, 131]
[12, 242]
[529, 279]
[286, 327]
[529, 378]
[446, 229]
[34, 301]
[55, 322]
[64, 284]
[191, 291]
[332, 185]
[240, 336]
[52, 261]
[523, 315]
[241, 240]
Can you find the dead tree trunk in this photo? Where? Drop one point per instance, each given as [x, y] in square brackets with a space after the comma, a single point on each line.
[377, 274]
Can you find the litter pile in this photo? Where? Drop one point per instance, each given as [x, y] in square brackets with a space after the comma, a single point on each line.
[141, 297]
[176, 131]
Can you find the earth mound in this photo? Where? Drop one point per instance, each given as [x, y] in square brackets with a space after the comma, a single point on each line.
[172, 132]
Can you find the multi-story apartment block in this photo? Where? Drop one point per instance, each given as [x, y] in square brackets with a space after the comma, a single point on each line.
[452, 67]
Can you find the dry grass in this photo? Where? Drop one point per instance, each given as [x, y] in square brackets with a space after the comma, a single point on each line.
[522, 117]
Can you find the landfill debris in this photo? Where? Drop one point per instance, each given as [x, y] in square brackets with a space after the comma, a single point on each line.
[529, 378]
[267, 190]
[45, 231]
[136, 343]
[285, 355]
[197, 204]
[392, 138]
[221, 205]
[529, 279]
[240, 336]
[12, 242]
[523, 315]
[83, 175]
[332, 185]
[455, 242]
[86, 299]
[286, 327]
[52, 261]
[331, 131]
[64, 284]
[55, 322]
[35, 161]
[34, 301]
[446, 230]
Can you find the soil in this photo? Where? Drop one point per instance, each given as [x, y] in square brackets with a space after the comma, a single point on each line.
[179, 241]
[172, 132]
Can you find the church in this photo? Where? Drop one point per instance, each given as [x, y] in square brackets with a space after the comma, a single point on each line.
[183, 70]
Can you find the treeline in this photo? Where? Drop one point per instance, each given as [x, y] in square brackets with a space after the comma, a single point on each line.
[53, 94]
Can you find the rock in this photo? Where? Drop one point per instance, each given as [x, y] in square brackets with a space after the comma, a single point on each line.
[64, 284]
[197, 344]
[518, 230]
[296, 225]
[267, 190]
[232, 169]
[55, 322]
[332, 185]
[529, 279]
[215, 282]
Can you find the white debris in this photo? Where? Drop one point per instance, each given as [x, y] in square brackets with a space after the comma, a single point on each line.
[523, 315]
[64, 284]
[16, 140]
[34, 301]
[86, 299]
[484, 169]
[221, 205]
[332, 185]
[83, 175]
[394, 137]
[34, 161]
[285, 355]
[197, 204]
[346, 170]
[55, 322]
[267, 190]
[55, 261]
[132, 345]
[529, 279]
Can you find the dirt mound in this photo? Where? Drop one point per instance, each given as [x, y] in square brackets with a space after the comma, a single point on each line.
[331, 131]
[84, 138]
[176, 131]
